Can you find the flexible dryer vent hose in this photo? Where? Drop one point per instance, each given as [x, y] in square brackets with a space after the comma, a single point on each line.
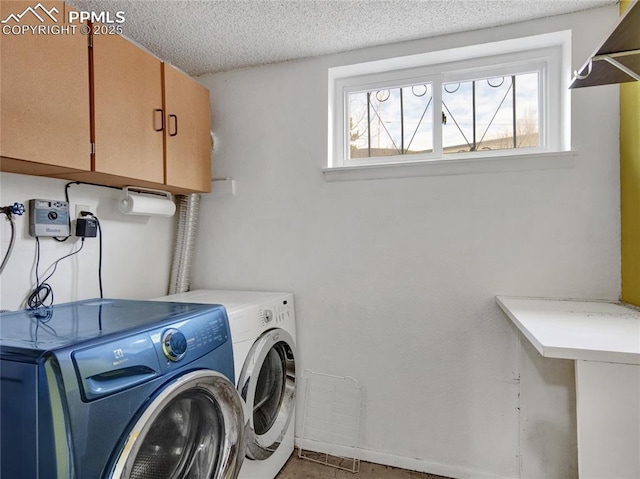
[188, 207]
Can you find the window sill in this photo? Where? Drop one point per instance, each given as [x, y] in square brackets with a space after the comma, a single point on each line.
[459, 166]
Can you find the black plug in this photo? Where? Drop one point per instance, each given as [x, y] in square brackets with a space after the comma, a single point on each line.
[86, 225]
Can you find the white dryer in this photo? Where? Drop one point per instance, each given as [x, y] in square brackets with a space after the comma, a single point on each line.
[263, 334]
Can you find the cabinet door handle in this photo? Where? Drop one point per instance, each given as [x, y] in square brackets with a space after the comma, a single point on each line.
[175, 125]
[159, 110]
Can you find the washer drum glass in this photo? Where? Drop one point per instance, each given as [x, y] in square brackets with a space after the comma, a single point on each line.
[192, 430]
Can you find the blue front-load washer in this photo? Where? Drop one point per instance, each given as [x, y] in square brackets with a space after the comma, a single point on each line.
[129, 389]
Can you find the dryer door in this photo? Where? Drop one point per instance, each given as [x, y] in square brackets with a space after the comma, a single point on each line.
[193, 429]
[267, 384]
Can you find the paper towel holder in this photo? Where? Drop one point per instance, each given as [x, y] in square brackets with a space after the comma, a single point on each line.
[154, 202]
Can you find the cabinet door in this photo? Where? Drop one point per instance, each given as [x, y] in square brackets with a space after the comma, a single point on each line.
[45, 113]
[128, 116]
[188, 137]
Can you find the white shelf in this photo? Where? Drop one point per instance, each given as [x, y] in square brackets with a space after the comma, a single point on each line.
[617, 59]
[579, 330]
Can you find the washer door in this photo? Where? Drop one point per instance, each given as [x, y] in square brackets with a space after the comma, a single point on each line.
[267, 384]
[193, 429]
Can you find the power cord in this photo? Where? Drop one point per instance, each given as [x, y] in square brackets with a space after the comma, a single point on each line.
[9, 212]
[88, 213]
[42, 295]
[84, 214]
[86, 229]
[66, 196]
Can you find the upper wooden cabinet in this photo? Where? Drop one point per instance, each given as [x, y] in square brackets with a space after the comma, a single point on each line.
[146, 123]
[188, 139]
[127, 110]
[44, 103]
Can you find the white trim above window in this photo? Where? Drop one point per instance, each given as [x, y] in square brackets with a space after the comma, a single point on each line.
[452, 105]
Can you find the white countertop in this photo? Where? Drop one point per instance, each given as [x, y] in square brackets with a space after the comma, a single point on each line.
[586, 330]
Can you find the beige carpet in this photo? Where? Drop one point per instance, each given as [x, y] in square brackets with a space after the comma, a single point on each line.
[303, 469]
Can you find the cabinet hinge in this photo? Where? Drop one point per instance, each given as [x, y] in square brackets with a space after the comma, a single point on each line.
[93, 149]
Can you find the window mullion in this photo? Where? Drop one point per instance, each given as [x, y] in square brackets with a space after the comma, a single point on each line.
[513, 110]
[369, 122]
[401, 123]
[543, 110]
[437, 116]
[474, 145]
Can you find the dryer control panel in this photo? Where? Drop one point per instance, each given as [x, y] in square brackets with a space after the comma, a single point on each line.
[276, 314]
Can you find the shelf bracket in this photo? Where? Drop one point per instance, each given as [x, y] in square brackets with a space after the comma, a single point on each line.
[620, 66]
[577, 75]
[611, 58]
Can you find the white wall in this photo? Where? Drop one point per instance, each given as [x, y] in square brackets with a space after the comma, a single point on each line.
[395, 279]
[137, 251]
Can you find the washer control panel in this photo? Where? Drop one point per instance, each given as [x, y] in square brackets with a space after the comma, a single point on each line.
[193, 338]
[126, 361]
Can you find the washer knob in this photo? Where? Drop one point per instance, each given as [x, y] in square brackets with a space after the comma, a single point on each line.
[174, 344]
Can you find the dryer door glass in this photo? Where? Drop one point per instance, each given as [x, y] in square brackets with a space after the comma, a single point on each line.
[193, 429]
[267, 384]
[269, 390]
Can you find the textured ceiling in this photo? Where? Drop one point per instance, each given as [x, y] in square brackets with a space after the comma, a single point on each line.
[206, 36]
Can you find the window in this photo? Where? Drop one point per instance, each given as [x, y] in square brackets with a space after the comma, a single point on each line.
[504, 99]
[390, 122]
[491, 113]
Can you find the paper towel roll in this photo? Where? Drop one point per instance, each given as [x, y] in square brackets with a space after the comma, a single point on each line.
[146, 205]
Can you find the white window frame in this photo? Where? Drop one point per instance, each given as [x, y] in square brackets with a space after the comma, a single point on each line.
[548, 53]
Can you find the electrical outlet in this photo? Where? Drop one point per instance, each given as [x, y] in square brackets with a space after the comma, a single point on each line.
[80, 208]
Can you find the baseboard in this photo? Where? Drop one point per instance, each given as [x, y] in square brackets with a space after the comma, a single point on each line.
[386, 459]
